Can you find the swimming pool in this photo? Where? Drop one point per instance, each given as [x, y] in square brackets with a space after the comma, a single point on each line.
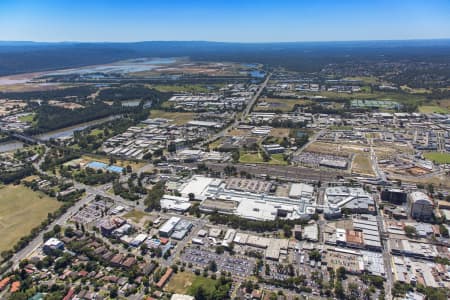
[100, 165]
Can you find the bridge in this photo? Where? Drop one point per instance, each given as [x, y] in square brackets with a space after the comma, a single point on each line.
[22, 137]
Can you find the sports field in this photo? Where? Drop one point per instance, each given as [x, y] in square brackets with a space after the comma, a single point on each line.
[21, 209]
[185, 283]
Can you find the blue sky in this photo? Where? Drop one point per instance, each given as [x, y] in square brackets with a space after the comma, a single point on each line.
[220, 20]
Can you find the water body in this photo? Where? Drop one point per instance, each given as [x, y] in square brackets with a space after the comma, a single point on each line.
[10, 146]
[68, 131]
[121, 67]
[257, 74]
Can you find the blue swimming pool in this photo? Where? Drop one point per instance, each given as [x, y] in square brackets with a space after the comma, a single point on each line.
[100, 165]
[97, 165]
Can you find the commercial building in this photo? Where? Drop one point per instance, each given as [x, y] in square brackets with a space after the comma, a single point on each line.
[301, 191]
[139, 239]
[353, 199]
[395, 196]
[167, 228]
[107, 226]
[52, 244]
[217, 195]
[181, 229]
[175, 203]
[421, 206]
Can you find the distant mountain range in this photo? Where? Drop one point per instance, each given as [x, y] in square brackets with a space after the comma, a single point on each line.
[24, 56]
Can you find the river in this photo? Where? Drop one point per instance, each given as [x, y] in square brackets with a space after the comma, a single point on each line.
[60, 133]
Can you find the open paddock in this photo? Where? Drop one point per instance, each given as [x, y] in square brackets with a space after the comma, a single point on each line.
[21, 210]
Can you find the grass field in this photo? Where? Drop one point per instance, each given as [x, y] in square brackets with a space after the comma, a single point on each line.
[178, 118]
[280, 132]
[21, 209]
[135, 215]
[256, 158]
[27, 118]
[185, 283]
[438, 157]
[284, 105]
[365, 79]
[428, 109]
[362, 164]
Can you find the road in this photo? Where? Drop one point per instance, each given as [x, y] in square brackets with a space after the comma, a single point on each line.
[386, 255]
[61, 220]
[376, 168]
[245, 113]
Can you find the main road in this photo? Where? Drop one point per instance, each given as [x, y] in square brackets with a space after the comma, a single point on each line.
[245, 113]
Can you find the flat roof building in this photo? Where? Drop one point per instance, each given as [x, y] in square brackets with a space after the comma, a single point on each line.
[421, 206]
[167, 228]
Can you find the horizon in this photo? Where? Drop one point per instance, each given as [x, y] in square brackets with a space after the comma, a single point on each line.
[224, 42]
[223, 21]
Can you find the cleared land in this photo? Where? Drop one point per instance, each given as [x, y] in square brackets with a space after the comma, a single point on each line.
[186, 283]
[438, 157]
[21, 209]
[178, 118]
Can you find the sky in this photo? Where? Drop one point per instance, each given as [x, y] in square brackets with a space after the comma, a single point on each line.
[223, 20]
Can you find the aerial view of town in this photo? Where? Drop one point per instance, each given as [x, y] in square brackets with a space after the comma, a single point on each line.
[213, 170]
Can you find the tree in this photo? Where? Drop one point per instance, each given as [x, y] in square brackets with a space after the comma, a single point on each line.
[287, 231]
[430, 189]
[353, 291]
[443, 230]
[235, 155]
[315, 255]
[113, 292]
[212, 266]
[410, 231]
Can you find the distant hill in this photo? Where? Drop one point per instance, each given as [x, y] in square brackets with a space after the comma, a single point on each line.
[23, 56]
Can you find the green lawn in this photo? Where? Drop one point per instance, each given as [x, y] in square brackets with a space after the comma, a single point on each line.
[428, 109]
[189, 88]
[438, 157]
[28, 118]
[21, 209]
[341, 127]
[186, 283]
[256, 158]
[178, 118]
[135, 215]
